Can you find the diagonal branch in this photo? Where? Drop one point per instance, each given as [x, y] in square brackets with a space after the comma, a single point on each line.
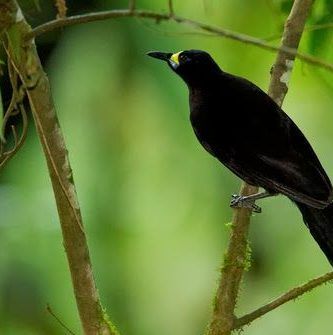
[284, 298]
[171, 10]
[146, 14]
[61, 323]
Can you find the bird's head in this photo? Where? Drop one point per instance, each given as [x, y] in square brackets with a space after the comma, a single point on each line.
[193, 66]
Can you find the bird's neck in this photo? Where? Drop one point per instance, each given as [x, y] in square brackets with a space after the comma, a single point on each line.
[204, 87]
[203, 78]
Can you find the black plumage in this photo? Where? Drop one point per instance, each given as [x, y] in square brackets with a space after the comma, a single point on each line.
[241, 126]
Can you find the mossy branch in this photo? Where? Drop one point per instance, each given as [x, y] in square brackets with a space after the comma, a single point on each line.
[234, 264]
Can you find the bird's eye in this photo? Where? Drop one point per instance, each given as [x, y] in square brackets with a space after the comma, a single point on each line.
[183, 58]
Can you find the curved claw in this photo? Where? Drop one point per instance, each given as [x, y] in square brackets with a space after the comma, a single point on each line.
[239, 201]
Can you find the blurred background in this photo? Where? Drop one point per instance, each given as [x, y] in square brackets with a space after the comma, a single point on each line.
[155, 204]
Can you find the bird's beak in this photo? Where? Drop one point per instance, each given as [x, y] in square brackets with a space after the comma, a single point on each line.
[170, 58]
[160, 55]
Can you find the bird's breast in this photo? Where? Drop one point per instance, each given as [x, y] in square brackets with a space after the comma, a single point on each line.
[211, 119]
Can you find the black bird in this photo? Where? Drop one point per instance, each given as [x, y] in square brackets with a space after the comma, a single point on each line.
[240, 125]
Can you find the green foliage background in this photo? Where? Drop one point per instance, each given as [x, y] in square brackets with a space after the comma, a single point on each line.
[154, 203]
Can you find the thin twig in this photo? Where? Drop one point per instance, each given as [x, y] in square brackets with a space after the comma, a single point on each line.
[314, 27]
[48, 308]
[307, 29]
[15, 107]
[284, 298]
[14, 135]
[18, 142]
[171, 10]
[122, 13]
[92, 17]
[259, 43]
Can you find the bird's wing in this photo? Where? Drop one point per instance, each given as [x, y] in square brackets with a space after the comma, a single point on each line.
[249, 133]
[281, 159]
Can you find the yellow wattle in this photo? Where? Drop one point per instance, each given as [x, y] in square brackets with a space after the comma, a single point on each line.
[175, 57]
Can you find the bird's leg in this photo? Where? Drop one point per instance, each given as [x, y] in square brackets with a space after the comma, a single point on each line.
[248, 201]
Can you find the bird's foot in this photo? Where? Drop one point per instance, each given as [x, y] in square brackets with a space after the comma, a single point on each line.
[239, 201]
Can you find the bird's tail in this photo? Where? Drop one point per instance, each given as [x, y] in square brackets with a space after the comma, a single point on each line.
[320, 224]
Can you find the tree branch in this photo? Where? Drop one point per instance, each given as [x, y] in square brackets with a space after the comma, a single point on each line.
[291, 37]
[61, 323]
[284, 298]
[235, 262]
[23, 56]
[171, 10]
[146, 14]
[322, 26]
